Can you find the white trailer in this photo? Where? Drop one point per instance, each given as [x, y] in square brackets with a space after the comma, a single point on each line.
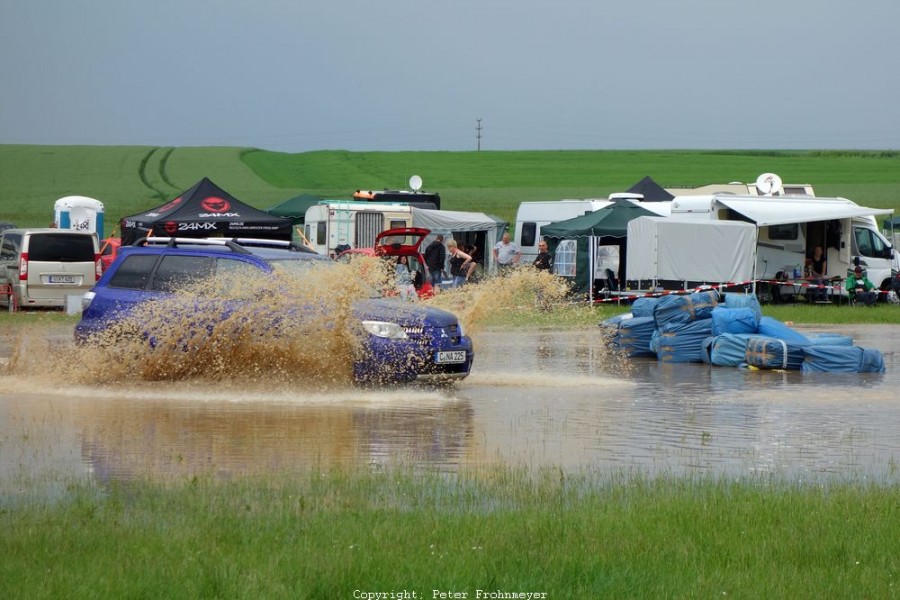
[331, 223]
[687, 251]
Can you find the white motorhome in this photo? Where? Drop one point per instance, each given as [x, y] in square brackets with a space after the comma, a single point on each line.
[532, 216]
[787, 230]
[332, 223]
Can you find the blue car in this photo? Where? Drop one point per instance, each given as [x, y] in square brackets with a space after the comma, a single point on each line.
[398, 342]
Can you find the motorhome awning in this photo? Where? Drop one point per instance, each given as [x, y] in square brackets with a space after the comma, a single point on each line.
[781, 211]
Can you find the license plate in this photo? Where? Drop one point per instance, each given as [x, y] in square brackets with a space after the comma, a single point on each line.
[451, 356]
[69, 279]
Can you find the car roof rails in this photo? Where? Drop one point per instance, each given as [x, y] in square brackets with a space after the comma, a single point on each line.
[234, 244]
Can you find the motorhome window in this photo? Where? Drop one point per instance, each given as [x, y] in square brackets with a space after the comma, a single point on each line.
[320, 232]
[565, 262]
[529, 233]
[868, 243]
[397, 224]
[784, 232]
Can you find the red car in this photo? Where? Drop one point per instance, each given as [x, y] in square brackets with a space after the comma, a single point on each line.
[402, 241]
[109, 249]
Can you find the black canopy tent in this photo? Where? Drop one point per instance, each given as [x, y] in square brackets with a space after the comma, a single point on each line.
[205, 210]
[651, 190]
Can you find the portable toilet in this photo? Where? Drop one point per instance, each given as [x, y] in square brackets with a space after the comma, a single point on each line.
[80, 213]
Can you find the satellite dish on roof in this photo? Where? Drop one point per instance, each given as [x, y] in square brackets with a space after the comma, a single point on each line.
[768, 184]
[415, 183]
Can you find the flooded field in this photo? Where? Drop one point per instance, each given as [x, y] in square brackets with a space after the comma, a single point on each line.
[535, 399]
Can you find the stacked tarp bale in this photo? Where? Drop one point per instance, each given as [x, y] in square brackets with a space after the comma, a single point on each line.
[686, 308]
[729, 349]
[683, 342]
[774, 353]
[750, 301]
[773, 328]
[830, 339]
[610, 329]
[644, 307]
[734, 320]
[633, 336]
[842, 359]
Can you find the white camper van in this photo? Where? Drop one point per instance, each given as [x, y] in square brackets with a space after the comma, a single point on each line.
[532, 216]
[787, 230]
[333, 223]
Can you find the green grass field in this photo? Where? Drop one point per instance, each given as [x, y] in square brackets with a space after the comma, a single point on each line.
[131, 179]
[341, 535]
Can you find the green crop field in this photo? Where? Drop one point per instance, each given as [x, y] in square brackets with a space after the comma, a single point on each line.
[130, 179]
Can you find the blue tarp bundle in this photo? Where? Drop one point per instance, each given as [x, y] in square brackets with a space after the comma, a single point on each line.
[772, 327]
[633, 337]
[643, 307]
[683, 342]
[734, 320]
[729, 349]
[750, 301]
[683, 309]
[842, 359]
[830, 339]
[773, 353]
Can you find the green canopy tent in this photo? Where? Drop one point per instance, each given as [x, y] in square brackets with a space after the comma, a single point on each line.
[295, 208]
[574, 242]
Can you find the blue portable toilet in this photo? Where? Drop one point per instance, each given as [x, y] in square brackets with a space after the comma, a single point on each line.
[79, 213]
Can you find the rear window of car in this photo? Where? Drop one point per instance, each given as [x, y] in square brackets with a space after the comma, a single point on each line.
[61, 247]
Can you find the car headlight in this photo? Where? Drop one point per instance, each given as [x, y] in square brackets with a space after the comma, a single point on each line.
[384, 329]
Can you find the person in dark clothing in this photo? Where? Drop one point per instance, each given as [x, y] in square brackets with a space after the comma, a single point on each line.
[818, 265]
[544, 261]
[435, 257]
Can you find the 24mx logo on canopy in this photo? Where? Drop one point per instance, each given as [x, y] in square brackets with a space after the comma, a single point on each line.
[215, 204]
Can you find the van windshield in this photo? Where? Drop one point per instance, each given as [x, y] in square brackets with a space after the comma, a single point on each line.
[61, 247]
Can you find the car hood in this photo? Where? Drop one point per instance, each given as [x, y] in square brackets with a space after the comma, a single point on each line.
[402, 313]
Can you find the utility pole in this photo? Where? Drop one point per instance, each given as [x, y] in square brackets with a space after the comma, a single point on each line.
[478, 134]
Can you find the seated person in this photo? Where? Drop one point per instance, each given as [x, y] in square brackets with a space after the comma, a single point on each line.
[860, 288]
[818, 266]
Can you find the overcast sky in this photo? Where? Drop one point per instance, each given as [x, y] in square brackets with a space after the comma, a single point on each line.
[298, 75]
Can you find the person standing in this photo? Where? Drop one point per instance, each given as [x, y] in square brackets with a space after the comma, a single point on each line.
[507, 254]
[435, 257]
[459, 264]
[544, 260]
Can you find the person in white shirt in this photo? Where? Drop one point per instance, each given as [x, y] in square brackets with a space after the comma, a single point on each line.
[507, 254]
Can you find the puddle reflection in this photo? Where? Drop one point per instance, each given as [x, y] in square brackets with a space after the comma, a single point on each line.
[535, 399]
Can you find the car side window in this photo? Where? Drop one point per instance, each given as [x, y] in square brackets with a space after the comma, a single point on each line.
[10, 248]
[235, 278]
[134, 272]
[176, 271]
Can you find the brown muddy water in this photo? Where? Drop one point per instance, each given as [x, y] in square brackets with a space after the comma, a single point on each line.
[535, 399]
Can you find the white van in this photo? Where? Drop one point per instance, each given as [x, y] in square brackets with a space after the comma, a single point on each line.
[41, 267]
